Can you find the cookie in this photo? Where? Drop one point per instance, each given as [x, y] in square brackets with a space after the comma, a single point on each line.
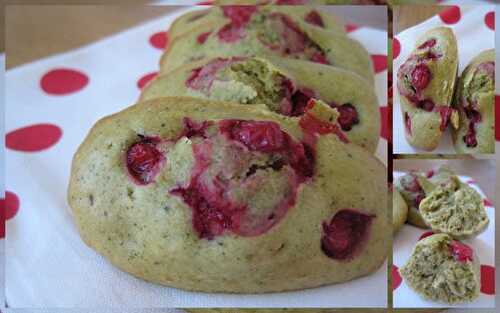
[439, 176]
[410, 187]
[399, 211]
[454, 208]
[442, 269]
[259, 32]
[192, 20]
[474, 98]
[425, 83]
[219, 197]
[283, 85]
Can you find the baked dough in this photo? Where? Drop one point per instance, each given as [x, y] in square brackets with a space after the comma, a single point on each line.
[218, 197]
[425, 83]
[442, 269]
[261, 32]
[283, 85]
[474, 99]
[192, 20]
[454, 208]
[410, 187]
[399, 211]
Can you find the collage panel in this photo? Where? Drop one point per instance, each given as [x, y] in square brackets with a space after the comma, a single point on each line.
[196, 167]
[444, 80]
[444, 167]
[444, 233]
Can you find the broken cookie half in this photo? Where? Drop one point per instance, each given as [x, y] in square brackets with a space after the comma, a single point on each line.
[443, 269]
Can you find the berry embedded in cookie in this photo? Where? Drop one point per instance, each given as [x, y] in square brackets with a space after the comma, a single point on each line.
[283, 86]
[233, 172]
[284, 32]
[282, 35]
[237, 187]
[442, 269]
[345, 234]
[425, 82]
[143, 160]
[475, 102]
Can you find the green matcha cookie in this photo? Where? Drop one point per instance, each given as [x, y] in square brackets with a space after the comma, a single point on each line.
[411, 188]
[442, 269]
[220, 197]
[285, 86]
[261, 31]
[192, 20]
[454, 208]
[425, 83]
[399, 211]
[474, 99]
[439, 177]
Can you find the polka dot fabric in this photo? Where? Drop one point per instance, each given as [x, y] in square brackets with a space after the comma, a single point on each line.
[483, 245]
[51, 104]
[472, 26]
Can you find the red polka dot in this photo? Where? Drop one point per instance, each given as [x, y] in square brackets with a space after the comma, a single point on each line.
[384, 127]
[450, 15]
[497, 117]
[9, 207]
[426, 234]
[33, 138]
[379, 62]
[396, 277]
[487, 202]
[63, 81]
[350, 27]
[487, 279]
[396, 48]
[489, 20]
[145, 79]
[159, 40]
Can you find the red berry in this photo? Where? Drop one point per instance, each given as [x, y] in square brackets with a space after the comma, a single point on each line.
[203, 37]
[420, 76]
[144, 160]
[314, 18]
[345, 234]
[461, 252]
[348, 116]
[426, 234]
[428, 44]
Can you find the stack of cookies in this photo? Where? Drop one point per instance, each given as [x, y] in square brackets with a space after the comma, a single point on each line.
[247, 166]
[441, 267]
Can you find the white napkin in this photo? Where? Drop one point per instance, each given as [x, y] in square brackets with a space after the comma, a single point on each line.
[407, 237]
[47, 264]
[473, 36]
